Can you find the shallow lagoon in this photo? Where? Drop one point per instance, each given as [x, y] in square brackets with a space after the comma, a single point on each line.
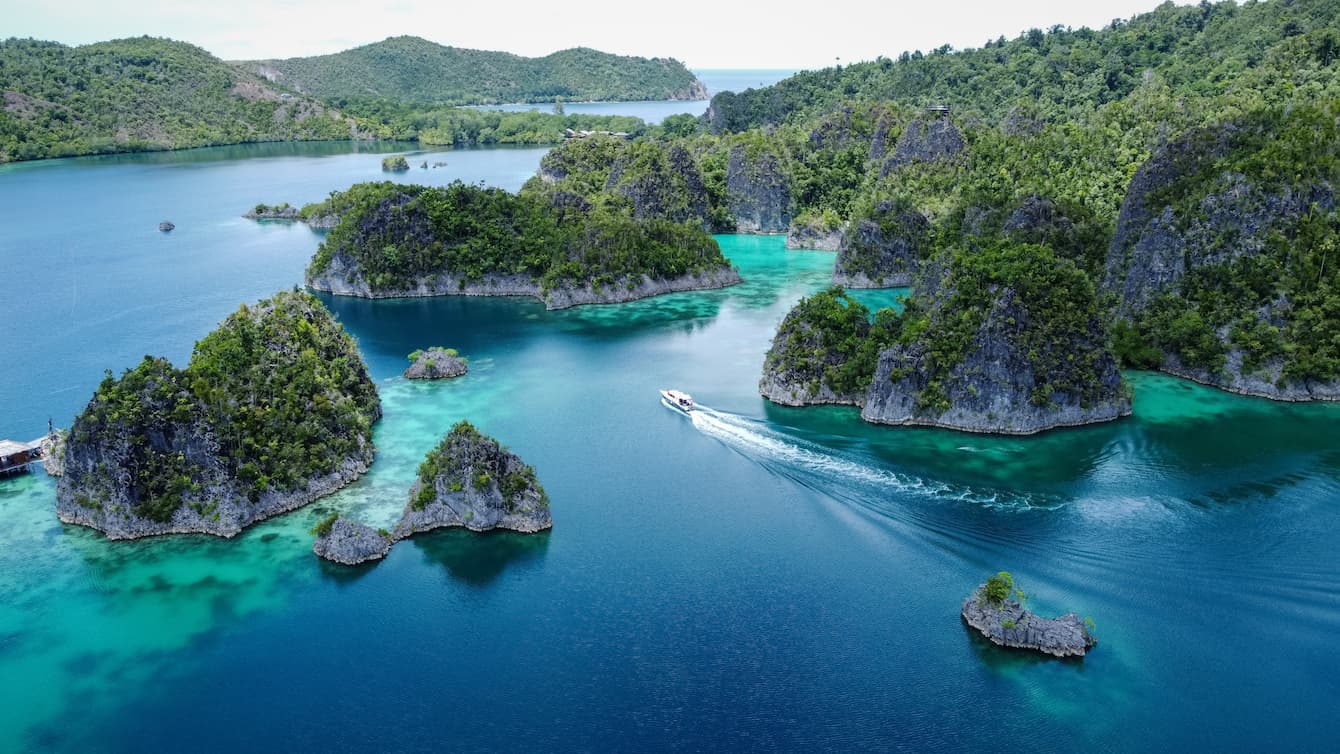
[758, 578]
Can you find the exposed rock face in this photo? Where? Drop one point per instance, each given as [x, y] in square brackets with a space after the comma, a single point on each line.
[344, 279]
[1010, 625]
[472, 481]
[815, 234]
[150, 455]
[53, 452]
[436, 364]
[272, 212]
[671, 187]
[351, 543]
[884, 250]
[759, 196]
[993, 388]
[926, 141]
[1230, 221]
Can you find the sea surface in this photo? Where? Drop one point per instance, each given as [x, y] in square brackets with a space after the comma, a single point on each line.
[751, 578]
[655, 111]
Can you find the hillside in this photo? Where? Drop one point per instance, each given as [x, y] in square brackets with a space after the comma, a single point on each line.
[142, 94]
[1183, 156]
[413, 70]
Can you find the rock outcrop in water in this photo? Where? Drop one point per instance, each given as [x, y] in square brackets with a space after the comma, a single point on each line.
[811, 358]
[413, 241]
[471, 481]
[275, 410]
[1006, 623]
[1004, 341]
[282, 211]
[340, 540]
[1207, 262]
[436, 364]
[53, 452]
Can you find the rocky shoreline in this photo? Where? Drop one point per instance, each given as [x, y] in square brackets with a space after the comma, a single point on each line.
[230, 515]
[342, 278]
[1008, 624]
[350, 543]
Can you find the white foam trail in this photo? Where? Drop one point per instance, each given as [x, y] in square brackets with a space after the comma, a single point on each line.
[783, 453]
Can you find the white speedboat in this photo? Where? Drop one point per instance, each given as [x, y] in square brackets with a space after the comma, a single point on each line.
[677, 400]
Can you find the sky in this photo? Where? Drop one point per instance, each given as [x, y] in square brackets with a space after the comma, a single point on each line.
[700, 33]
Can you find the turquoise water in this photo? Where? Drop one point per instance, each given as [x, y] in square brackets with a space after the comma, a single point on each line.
[755, 578]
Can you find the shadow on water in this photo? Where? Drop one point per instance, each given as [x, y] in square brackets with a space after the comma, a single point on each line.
[478, 558]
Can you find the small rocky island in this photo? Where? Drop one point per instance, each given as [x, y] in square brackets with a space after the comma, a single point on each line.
[282, 211]
[436, 363]
[274, 410]
[1003, 341]
[996, 611]
[396, 164]
[398, 241]
[347, 542]
[469, 480]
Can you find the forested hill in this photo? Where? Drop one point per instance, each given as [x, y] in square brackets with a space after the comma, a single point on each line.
[1195, 50]
[142, 94]
[414, 70]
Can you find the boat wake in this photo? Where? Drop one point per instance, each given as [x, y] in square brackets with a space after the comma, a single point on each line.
[809, 463]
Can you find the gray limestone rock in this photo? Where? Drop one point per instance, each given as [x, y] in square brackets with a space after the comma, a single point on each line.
[351, 543]
[1008, 624]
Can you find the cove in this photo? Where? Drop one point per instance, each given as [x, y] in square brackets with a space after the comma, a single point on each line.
[756, 578]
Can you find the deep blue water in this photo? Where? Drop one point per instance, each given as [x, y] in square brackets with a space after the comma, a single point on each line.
[757, 578]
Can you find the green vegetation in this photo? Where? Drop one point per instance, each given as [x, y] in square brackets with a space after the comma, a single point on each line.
[141, 94]
[451, 352]
[395, 163]
[414, 70]
[399, 235]
[827, 341]
[279, 388]
[465, 451]
[1276, 50]
[1054, 125]
[1281, 304]
[435, 125]
[998, 588]
[1044, 307]
[324, 526]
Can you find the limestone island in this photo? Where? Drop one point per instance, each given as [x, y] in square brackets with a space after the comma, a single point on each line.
[350, 543]
[274, 410]
[470, 480]
[395, 164]
[283, 211]
[436, 363]
[1003, 620]
[1003, 341]
[412, 241]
